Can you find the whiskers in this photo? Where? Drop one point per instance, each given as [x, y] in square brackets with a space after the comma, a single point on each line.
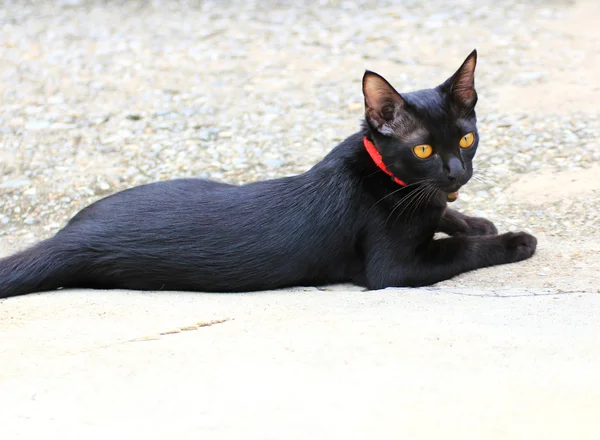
[484, 176]
[397, 191]
[411, 202]
[481, 179]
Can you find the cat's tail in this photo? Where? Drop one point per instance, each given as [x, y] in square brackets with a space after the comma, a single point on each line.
[45, 266]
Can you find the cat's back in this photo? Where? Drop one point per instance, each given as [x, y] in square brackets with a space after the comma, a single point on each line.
[301, 209]
[182, 198]
[150, 197]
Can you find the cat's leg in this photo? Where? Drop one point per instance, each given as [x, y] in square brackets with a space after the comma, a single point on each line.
[454, 223]
[439, 260]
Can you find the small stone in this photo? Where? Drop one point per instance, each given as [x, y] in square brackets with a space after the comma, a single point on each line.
[37, 125]
[31, 221]
[62, 126]
[273, 163]
[57, 99]
[531, 76]
[11, 184]
[111, 140]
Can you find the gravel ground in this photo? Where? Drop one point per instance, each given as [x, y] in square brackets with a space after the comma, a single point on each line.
[101, 96]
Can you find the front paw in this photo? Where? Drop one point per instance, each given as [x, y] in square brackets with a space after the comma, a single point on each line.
[480, 226]
[519, 245]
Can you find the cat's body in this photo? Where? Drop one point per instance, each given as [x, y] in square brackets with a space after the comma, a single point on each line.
[344, 220]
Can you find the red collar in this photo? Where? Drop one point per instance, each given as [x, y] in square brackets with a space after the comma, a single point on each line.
[379, 160]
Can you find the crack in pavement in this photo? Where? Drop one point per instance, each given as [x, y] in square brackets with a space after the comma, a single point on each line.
[198, 325]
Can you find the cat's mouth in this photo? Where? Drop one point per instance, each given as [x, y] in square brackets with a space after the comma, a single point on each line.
[452, 196]
[452, 192]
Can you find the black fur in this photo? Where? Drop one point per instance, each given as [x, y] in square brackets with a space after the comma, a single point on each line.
[344, 220]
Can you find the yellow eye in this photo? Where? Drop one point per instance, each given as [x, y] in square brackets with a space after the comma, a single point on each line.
[467, 140]
[423, 151]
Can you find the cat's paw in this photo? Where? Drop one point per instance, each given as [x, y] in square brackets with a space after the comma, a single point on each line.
[519, 245]
[480, 226]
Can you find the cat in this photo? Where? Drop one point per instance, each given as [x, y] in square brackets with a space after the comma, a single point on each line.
[366, 214]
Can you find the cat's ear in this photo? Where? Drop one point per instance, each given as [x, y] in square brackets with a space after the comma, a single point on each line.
[462, 84]
[383, 104]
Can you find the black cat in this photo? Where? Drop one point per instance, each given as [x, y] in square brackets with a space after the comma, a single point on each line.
[344, 220]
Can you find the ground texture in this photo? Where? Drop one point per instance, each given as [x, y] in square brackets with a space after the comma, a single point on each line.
[100, 96]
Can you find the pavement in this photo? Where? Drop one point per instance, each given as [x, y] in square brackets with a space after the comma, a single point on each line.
[509, 352]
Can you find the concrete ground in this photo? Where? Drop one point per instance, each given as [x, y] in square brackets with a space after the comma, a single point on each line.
[400, 363]
[509, 352]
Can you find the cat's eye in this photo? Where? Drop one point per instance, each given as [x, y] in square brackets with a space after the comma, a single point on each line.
[423, 151]
[467, 140]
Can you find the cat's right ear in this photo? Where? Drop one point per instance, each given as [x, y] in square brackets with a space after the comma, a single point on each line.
[383, 103]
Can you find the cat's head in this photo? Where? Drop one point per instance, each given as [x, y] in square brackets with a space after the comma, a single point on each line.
[430, 134]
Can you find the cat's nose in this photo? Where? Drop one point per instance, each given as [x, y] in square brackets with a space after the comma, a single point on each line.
[454, 170]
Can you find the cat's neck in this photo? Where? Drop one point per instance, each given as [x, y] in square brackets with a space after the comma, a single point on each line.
[351, 165]
[352, 155]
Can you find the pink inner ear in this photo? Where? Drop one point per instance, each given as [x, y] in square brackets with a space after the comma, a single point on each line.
[464, 95]
[376, 94]
[463, 87]
[380, 98]
[466, 75]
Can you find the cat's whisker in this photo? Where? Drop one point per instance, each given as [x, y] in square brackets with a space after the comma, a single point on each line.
[479, 179]
[414, 195]
[398, 204]
[431, 195]
[373, 173]
[386, 196]
[411, 207]
[406, 199]
[483, 179]
[486, 172]
[398, 190]
[423, 199]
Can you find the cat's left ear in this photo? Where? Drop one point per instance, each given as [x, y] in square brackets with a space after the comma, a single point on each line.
[461, 85]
